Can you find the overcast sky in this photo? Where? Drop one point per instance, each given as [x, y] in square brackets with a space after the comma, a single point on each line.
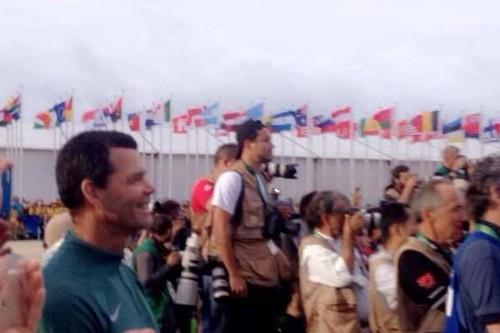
[327, 53]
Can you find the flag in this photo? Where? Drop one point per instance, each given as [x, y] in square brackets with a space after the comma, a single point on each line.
[114, 111]
[404, 129]
[452, 130]
[58, 110]
[416, 128]
[430, 125]
[384, 119]
[324, 123]
[471, 125]
[96, 118]
[232, 119]
[491, 131]
[68, 109]
[301, 116]
[208, 114]
[5, 118]
[343, 124]
[43, 120]
[13, 108]
[134, 121]
[195, 117]
[256, 112]
[167, 111]
[282, 121]
[369, 127]
[180, 123]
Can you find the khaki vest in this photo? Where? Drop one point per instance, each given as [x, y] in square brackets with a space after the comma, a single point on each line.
[413, 317]
[382, 319]
[253, 257]
[327, 309]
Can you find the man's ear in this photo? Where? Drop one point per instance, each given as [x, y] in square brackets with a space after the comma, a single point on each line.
[495, 195]
[427, 214]
[90, 192]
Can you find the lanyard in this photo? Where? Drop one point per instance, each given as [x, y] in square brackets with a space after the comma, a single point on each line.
[487, 230]
[425, 240]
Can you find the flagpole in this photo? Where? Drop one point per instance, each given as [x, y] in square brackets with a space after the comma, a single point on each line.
[282, 158]
[21, 178]
[170, 159]
[187, 164]
[16, 153]
[160, 162]
[54, 133]
[207, 149]
[196, 152]
[323, 162]
[351, 162]
[294, 161]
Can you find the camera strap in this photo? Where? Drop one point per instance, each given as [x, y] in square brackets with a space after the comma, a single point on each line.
[259, 184]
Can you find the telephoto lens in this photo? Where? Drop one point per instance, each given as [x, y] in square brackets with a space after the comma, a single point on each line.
[187, 290]
[220, 282]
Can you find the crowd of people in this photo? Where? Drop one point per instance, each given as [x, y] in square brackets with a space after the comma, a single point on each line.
[239, 259]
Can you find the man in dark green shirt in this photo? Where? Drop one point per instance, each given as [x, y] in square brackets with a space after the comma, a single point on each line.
[102, 180]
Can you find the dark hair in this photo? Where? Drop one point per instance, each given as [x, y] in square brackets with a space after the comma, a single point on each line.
[167, 207]
[304, 203]
[228, 150]
[161, 224]
[392, 213]
[86, 156]
[399, 169]
[325, 202]
[247, 131]
[486, 175]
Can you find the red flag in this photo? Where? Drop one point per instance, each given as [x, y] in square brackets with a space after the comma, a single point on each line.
[471, 125]
[343, 124]
[134, 122]
[179, 124]
[384, 118]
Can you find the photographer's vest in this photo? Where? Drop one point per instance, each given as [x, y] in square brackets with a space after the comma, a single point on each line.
[414, 317]
[327, 309]
[253, 257]
[382, 318]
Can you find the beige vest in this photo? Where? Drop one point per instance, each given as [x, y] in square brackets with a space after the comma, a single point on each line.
[413, 317]
[327, 309]
[254, 259]
[382, 319]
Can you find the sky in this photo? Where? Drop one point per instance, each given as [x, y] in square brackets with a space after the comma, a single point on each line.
[415, 55]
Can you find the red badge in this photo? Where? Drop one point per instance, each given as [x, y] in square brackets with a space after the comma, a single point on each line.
[426, 281]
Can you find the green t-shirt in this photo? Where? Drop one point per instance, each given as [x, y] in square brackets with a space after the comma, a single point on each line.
[91, 290]
[158, 301]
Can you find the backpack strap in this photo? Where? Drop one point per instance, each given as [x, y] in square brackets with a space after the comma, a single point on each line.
[238, 211]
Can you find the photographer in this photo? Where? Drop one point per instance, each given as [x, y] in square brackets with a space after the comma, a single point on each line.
[155, 265]
[330, 269]
[252, 261]
[402, 185]
[396, 226]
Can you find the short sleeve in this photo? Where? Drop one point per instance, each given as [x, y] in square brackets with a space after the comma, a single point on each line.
[61, 309]
[227, 191]
[483, 288]
[202, 193]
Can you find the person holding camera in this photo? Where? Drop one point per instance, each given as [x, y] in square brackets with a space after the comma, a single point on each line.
[396, 225]
[402, 185]
[253, 262]
[330, 270]
[155, 266]
[424, 261]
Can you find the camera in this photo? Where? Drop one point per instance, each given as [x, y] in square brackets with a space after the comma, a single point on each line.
[286, 171]
[220, 283]
[276, 224]
[371, 217]
[187, 289]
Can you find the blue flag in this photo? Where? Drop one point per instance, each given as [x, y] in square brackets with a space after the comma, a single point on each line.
[58, 109]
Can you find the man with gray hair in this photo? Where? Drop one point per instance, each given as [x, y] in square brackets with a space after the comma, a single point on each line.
[475, 284]
[424, 261]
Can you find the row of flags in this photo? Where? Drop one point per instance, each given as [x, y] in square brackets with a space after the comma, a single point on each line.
[423, 126]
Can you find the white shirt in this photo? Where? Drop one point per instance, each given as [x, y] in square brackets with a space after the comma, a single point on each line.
[327, 267]
[384, 276]
[227, 191]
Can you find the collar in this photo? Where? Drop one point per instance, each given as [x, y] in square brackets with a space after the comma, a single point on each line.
[488, 228]
[319, 234]
[447, 254]
[97, 254]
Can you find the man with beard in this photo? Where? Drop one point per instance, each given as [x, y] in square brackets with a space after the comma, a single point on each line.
[252, 261]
